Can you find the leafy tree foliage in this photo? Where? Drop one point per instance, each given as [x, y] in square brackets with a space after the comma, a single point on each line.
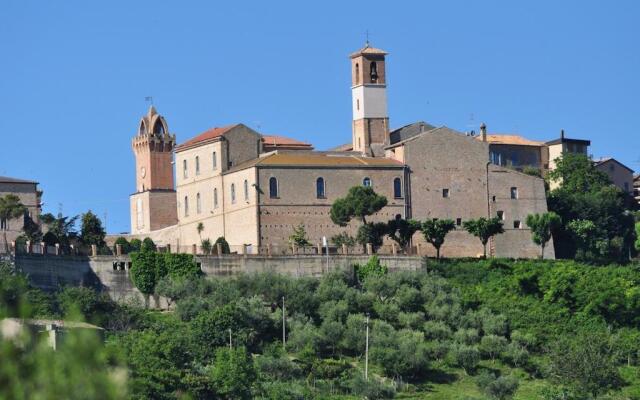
[371, 233]
[576, 173]
[360, 202]
[233, 374]
[343, 238]
[10, 208]
[223, 243]
[124, 244]
[148, 245]
[435, 231]
[484, 229]
[402, 230]
[541, 226]
[299, 237]
[91, 230]
[499, 388]
[59, 228]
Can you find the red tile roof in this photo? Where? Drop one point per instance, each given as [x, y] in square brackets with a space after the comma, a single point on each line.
[205, 136]
[274, 140]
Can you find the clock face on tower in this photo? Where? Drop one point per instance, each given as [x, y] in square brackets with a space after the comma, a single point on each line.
[143, 172]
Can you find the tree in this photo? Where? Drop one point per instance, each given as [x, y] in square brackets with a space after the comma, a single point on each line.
[435, 230]
[135, 244]
[233, 373]
[586, 361]
[124, 244]
[576, 173]
[299, 237]
[343, 238]
[499, 388]
[59, 227]
[372, 233]
[484, 229]
[360, 202]
[206, 246]
[541, 227]
[200, 228]
[10, 208]
[223, 244]
[91, 231]
[401, 231]
[465, 356]
[148, 245]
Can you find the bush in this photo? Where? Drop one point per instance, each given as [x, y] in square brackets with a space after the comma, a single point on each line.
[371, 268]
[223, 243]
[492, 346]
[500, 388]
[148, 245]
[371, 389]
[465, 357]
[124, 244]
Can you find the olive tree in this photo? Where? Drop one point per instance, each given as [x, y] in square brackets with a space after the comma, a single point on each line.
[541, 227]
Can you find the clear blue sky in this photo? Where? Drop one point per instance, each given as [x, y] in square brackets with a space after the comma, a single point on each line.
[74, 76]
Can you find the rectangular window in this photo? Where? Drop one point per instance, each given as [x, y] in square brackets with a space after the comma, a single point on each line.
[500, 215]
[445, 193]
[197, 165]
[185, 174]
[214, 159]
[514, 192]
[458, 221]
[517, 224]
[186, 206]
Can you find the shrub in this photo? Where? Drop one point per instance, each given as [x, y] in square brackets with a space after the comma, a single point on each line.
[124, 244]
[371, 268]
[223, 243]
[371, 389]
[492, 346]
[465, 357]
[500, 388]
[148, 245]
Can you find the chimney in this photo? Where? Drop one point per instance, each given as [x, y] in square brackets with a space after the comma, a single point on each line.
[561, 134]
[483, 132]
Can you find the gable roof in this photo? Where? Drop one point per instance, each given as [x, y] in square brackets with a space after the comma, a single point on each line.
[444, 129]
[408, 131]
[316, 159]
[510, 139]
[276, 141]
[206, 136]
[605, 160]
[6, 179]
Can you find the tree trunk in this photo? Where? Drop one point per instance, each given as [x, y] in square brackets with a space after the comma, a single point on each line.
[438, 253]
[542, 255]
[484, 247]
[6, 243]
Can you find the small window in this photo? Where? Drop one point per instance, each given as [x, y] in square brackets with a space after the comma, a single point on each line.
[215, 198]
[246, 190]
[514, 192]
[397, 188]
[500, 215]
[366, 182]
[320, 188]
[273, 188]
[517, 224]
[358, 104]
[214, 160]
[233, 193]
[197, 165]
[185, 174]
[493, 198]
[626, 186]
[198, 204]
[374, 72]
[445, 193]
[3, 224]
[186, 206]
[357, 73]
[458, 221]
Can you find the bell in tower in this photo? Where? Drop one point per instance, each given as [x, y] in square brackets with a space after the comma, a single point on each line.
[370, 124]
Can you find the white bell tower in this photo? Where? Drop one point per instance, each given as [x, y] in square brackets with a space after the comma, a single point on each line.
[369, 94]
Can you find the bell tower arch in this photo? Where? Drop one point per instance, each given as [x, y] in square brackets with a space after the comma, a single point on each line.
[153, 205]
[369, 94]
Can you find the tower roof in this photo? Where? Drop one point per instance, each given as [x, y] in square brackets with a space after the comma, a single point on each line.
[368, 50]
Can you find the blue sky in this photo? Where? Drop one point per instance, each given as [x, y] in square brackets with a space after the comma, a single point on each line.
[74, 76]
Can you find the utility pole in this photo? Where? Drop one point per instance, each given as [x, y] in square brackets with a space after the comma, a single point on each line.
[230, 344]
[366, 352]
[284, 326]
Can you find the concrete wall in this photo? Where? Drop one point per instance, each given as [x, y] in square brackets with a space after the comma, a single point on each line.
[111, 274]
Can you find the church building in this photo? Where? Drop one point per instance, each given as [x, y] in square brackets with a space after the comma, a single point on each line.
[254, 189]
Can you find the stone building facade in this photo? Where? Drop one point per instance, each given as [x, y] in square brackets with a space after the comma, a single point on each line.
[254, 189]
[27, 192]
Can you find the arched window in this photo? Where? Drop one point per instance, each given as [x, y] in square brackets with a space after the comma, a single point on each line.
[214, 160]
[366, 182]
[273, 188]
[215, 198]
[246, 190]
[197, 165]
[320, 188]
[198, 204]
[374, 72]
[233, 193]
[143, 128]
[158, 128]
[397, 188]
[186, 206]
[139, 213]
[357, 74]
[185, 174]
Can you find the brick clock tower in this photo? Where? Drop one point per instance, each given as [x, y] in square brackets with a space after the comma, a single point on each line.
[369, 93]
[153, 205]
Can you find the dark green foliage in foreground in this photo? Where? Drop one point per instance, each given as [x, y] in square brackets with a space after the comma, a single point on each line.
[149, 267]
[503, 329]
